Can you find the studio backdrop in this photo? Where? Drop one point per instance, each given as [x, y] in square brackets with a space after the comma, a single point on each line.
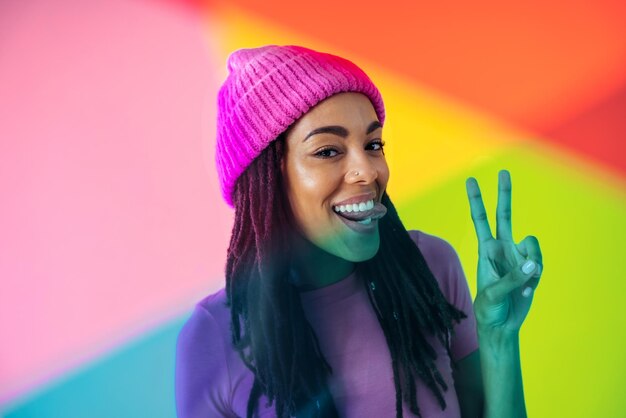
[111, 221]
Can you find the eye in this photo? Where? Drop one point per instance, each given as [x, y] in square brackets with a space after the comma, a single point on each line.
[378, 145]
[326, 153]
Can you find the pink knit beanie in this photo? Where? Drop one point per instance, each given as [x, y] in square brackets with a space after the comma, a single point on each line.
[268, 89]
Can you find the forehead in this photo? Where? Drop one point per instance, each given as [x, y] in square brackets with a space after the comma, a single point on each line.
[345, 109]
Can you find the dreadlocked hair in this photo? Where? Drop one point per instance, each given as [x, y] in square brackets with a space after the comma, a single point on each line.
[269, 329]
[277, 343]
[410, 306]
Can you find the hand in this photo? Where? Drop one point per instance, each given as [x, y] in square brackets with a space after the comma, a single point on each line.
[505, 292]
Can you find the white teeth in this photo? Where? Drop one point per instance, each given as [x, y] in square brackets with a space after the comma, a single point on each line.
[355, 207]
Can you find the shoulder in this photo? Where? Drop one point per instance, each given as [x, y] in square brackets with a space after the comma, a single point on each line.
[202, 359]
[443, 261]
[437, 251]
[209, 317]
[429, 241]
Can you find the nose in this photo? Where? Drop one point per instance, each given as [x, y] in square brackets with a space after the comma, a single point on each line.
[361, 170]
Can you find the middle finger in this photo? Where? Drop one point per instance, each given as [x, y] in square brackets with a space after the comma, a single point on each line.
[503, 211]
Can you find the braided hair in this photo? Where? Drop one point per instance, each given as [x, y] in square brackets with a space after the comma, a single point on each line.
[268, 325]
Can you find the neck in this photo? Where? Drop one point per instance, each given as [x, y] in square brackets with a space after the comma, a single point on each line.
[316, 268]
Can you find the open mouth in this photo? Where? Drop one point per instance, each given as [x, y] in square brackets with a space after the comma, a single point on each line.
[364, 213]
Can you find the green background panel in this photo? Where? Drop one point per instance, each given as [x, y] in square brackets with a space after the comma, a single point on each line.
[574, 339]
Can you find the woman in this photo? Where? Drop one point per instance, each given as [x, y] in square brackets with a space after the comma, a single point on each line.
[331, 307]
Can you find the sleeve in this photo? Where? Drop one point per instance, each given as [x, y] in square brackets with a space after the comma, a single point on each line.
[202, 381]
[444, 262]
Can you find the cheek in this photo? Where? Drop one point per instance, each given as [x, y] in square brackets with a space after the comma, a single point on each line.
[310, 194]
[312, 183]
[383, 172]
[304, 189]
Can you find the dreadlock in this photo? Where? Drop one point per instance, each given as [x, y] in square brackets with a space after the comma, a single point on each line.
[268, 325]
[409, 306]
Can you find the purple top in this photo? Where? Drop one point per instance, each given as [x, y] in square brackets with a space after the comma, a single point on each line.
[212, 381]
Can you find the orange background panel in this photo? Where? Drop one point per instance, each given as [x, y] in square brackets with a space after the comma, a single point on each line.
[533, 63]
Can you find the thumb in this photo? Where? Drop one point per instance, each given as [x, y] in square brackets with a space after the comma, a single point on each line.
[497, 292]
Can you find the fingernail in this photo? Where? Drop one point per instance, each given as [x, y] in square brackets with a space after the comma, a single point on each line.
[528, 266]
[526, 292]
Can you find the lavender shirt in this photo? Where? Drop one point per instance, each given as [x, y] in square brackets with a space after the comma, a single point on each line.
[212, 381]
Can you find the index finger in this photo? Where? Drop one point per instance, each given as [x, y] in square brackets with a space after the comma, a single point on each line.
[477, 209]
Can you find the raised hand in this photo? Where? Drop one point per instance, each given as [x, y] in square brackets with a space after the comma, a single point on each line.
[508, 273]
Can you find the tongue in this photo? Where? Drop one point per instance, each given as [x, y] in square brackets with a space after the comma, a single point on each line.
[378, 211]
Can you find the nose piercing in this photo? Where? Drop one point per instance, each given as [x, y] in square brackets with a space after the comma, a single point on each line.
[356, 173]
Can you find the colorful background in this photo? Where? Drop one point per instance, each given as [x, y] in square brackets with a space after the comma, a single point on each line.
[111, 222]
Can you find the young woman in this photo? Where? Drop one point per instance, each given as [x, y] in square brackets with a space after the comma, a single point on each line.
[331, 307]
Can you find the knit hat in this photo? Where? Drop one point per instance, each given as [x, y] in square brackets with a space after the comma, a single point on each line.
[268, 89]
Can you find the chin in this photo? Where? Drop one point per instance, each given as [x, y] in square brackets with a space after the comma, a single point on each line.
[363, 252]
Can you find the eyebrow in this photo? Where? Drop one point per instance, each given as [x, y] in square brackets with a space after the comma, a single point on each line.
[340, 130]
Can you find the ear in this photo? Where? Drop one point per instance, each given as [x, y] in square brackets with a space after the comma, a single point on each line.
[282, 138]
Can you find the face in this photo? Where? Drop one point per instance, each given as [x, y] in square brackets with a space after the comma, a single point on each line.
[335, 175]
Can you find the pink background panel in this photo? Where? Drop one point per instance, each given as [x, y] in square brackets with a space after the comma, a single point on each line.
[110, 211]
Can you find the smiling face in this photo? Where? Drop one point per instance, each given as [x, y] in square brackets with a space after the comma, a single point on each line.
[333, 165]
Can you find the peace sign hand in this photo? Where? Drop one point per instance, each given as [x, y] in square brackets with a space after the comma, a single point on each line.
[506, 278]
